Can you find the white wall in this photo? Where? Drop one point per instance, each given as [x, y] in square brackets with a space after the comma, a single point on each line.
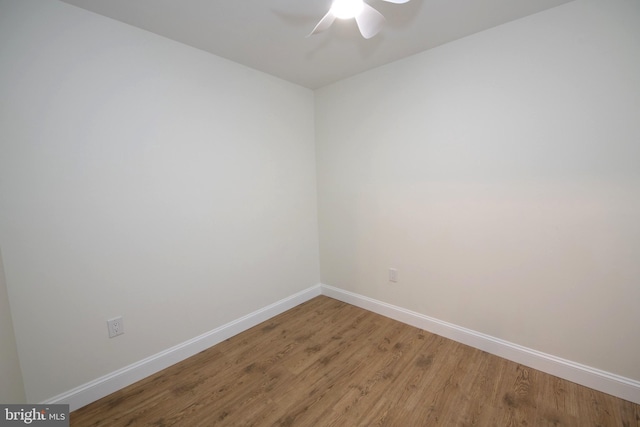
[501, 175]
[143, 178]
[11, 385]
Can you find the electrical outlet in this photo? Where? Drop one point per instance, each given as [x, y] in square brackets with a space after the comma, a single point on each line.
[393, 275]
[116, 327]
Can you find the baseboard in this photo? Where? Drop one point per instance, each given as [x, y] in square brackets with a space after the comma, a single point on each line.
[596, 379]
[101, 387]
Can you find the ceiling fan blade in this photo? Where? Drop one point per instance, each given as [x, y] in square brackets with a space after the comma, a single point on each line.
[369, 21]
[397, 1]
[324, 23]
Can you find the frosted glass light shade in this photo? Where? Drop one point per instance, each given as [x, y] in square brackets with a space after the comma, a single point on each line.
[346, 9]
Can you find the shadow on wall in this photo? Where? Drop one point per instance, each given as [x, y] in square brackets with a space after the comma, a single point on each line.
[11, 386]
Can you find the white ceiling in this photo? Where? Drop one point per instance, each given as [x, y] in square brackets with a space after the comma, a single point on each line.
[269, 35]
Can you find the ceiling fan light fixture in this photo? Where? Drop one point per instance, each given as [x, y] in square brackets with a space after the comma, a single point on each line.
[369, 20]
[346, 9]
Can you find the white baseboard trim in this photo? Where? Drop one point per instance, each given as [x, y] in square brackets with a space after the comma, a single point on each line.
[596, 379]
[101, 387]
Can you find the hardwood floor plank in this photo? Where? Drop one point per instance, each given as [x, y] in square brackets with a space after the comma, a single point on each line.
[327, 363]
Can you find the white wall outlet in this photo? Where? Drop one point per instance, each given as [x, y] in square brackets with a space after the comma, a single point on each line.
[116, 327]
[393, 275]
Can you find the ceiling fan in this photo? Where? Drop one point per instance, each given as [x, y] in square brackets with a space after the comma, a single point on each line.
[369, 20]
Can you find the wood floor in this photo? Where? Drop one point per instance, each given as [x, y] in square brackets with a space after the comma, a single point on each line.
[327, 363]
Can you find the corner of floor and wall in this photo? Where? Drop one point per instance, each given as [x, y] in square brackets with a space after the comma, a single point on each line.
[606, 382]
[498, 175]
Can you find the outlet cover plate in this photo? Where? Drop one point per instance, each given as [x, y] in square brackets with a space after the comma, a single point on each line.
[116, 326]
